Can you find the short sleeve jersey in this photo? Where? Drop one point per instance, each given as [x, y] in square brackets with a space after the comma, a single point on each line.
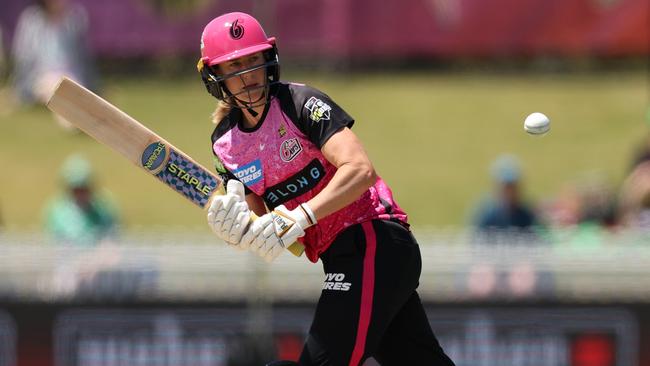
[280, 160]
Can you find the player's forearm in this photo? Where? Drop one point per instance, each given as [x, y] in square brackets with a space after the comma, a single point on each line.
[256, 204]
[350, 181]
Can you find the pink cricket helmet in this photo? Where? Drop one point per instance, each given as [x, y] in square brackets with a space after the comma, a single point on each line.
[232, 35]
[228, 37]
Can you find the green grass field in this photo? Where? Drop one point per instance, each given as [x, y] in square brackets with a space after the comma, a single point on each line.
[432, 137]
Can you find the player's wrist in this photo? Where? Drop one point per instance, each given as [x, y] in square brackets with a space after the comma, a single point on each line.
[308, 213]
[300, 216]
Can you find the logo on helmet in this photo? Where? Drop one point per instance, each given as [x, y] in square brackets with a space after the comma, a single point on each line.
[236, 30]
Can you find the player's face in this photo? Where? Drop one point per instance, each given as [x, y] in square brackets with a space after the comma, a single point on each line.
[82, 196]
[248, 86]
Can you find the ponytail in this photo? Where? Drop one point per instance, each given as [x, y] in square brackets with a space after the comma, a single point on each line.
[220, 112]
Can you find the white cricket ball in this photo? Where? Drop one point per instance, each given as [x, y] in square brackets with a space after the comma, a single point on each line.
[537, 124]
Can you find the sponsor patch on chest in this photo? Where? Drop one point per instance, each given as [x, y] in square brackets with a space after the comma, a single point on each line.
[250, 173]
[295, 185]
[290, 149]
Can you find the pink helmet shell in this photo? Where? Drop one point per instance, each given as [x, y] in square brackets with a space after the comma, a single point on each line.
[231, 36]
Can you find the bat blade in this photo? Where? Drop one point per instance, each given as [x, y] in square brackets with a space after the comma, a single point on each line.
[120, 132]
[111, 126]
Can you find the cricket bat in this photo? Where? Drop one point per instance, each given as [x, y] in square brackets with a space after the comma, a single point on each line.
[109, 125]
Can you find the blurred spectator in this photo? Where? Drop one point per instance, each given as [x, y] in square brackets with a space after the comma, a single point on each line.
[85, 220]
[505, 218]
[565, 209]
[598, 201]
[80, 215]
[505, 210]
[49, 42]
[634, 199]
[583, 213]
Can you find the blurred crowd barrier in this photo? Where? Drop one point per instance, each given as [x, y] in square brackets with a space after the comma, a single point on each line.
[182, 298]
[458, 266]
[343, 30]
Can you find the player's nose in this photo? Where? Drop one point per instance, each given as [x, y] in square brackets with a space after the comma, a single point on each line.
[250, 79]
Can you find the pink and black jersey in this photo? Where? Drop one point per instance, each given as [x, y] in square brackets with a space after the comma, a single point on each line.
[280, 160]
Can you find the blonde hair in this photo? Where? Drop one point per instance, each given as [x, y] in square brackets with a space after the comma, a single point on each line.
[220, 112]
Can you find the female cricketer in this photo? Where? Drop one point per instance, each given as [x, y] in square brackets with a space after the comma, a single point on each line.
[288, 154]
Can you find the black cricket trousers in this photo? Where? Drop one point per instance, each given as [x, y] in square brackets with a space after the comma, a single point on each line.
[369, 306]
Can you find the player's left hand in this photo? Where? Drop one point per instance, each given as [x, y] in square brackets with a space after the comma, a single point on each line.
[270, 234]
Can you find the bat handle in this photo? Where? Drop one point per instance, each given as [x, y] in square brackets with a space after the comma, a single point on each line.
[295, 248]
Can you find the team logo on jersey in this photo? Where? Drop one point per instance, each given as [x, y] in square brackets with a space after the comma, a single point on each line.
[282, 130]
[250, 173]
[290, 149]
[236, 30]
[320, 111]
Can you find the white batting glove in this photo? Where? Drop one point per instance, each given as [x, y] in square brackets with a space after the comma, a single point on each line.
[229, 216]
[271, 233]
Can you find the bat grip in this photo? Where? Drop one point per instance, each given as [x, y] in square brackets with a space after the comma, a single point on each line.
[296, 248]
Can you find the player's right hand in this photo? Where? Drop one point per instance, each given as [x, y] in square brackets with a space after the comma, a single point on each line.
[229, 215]
[270, 234]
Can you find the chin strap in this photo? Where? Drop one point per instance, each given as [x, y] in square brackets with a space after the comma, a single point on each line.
[252, 112]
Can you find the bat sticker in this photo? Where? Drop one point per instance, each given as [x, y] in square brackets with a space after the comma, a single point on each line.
[188, 179]
[154, 157]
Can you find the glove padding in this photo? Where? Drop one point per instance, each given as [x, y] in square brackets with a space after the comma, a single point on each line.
[229, 215]
[269, 235]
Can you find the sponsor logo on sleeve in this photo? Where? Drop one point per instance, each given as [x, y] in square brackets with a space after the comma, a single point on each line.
[320, 111]
[290, 149]
[250, 173]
